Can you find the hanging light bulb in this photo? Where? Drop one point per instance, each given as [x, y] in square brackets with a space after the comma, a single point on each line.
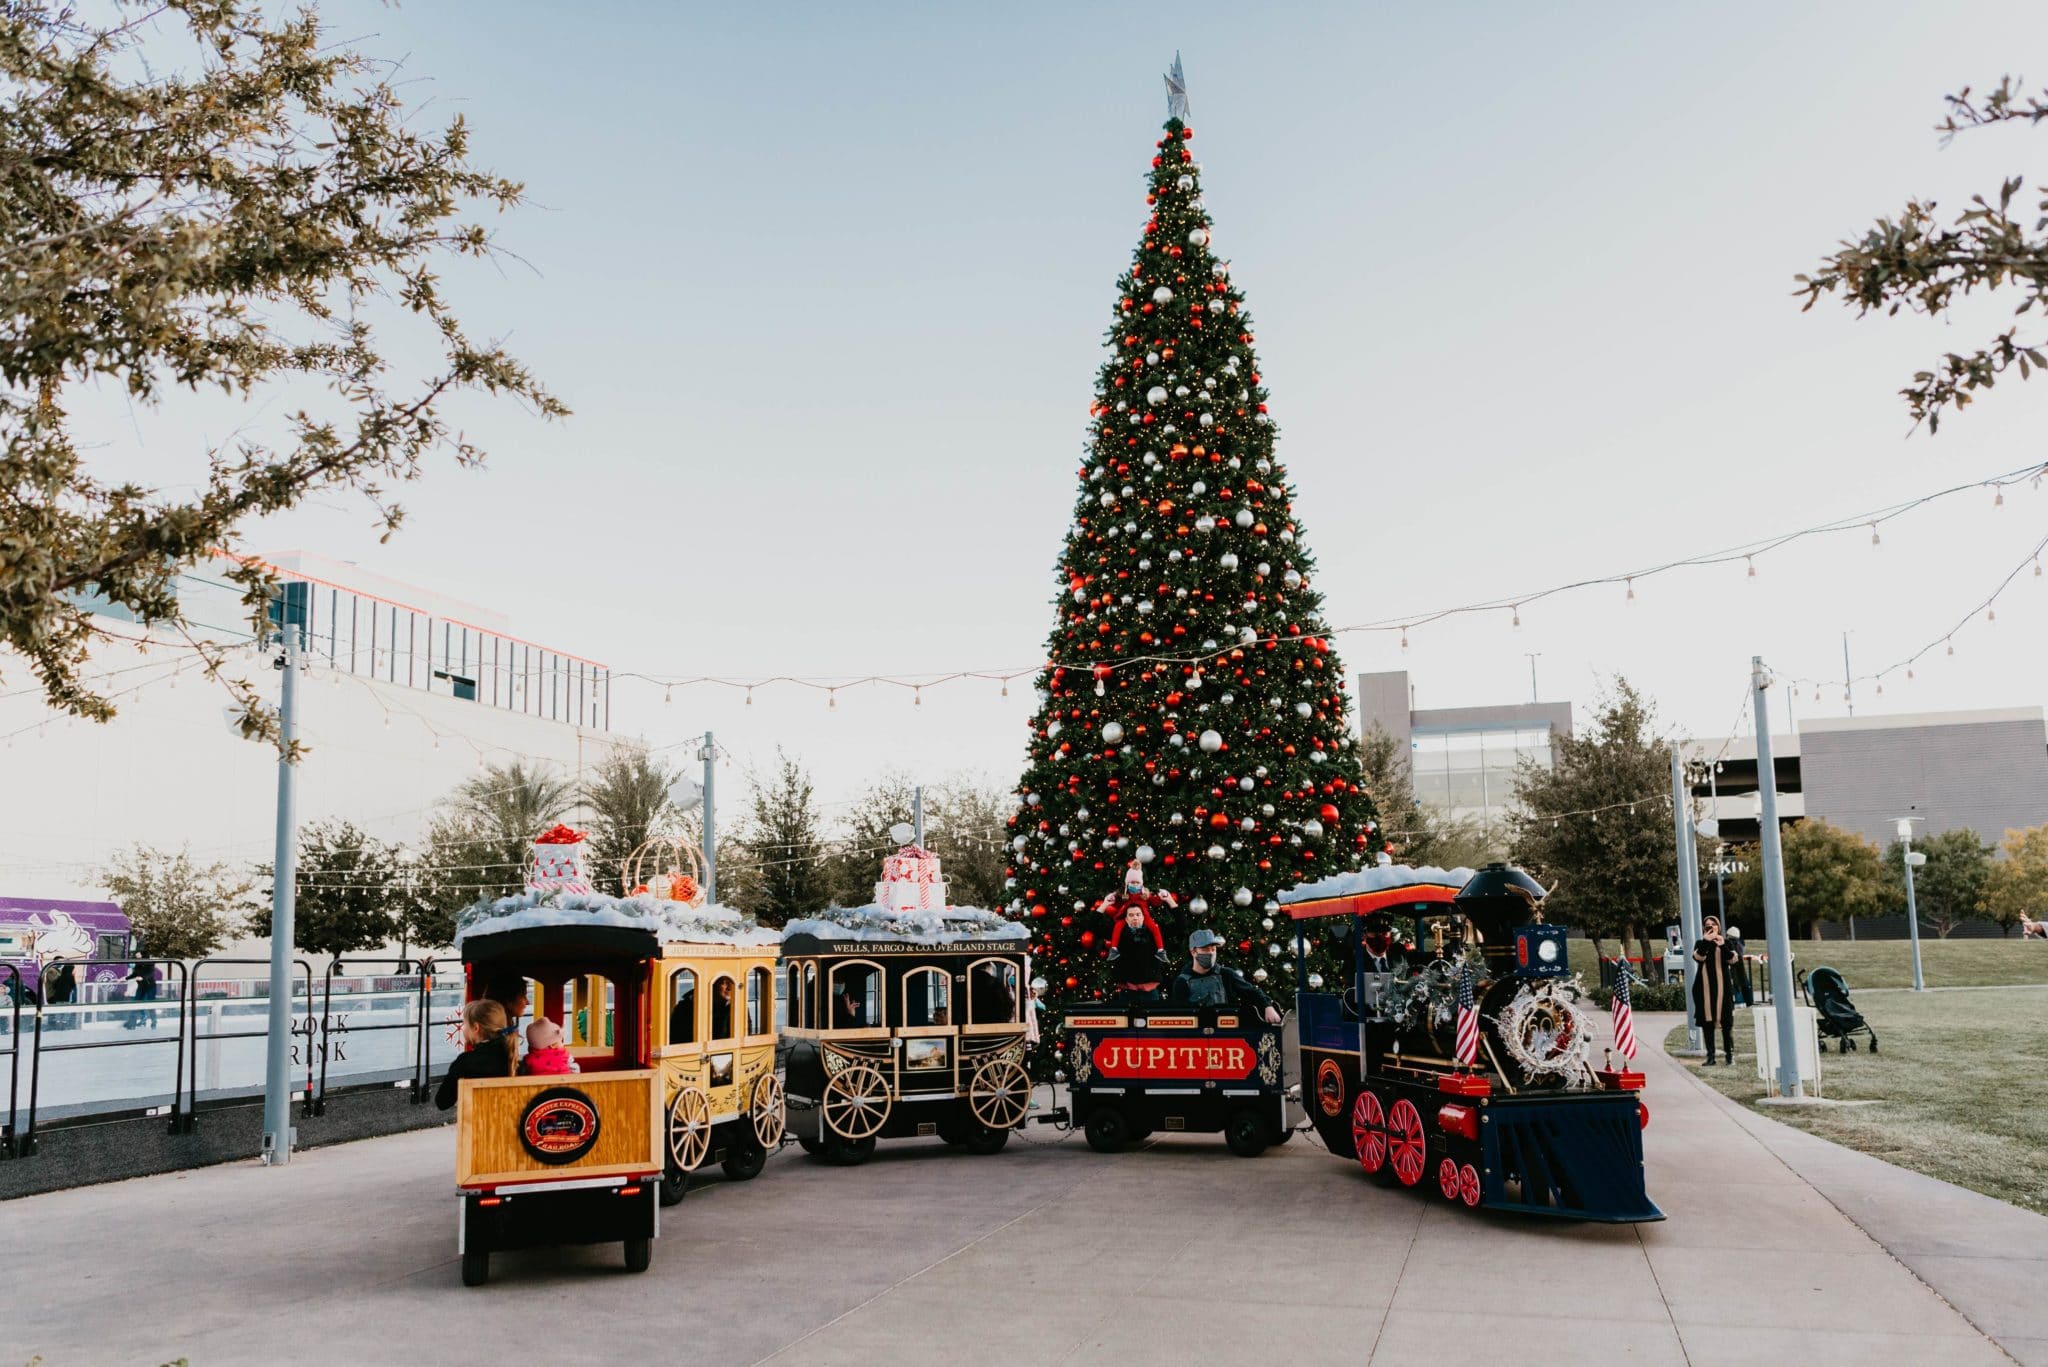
[668, 697]
[2037, 567]
[1951, 645]
[831, 698]
[1631, 588]
[1909, 674]
[917, 696]
[1873, 534]
[387, 721]
[1752, 565]
[1998, 499]
[750, 695]
[1100, 690]
[1880, 688]
[1991, 614]
[1006, 688]
[1518, 615]
[1404, 638]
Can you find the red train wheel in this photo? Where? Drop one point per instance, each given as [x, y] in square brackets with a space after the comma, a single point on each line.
[1405, 1142]
[1447, 1178]
[1468, 1184]
[1369, 1132]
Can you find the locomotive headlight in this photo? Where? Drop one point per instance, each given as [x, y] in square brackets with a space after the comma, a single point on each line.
[1546, 950]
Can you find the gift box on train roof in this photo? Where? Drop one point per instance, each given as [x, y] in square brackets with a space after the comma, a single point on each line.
[909, 910]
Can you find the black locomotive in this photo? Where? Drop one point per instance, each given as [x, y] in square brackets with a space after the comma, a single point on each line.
[1519, 1118]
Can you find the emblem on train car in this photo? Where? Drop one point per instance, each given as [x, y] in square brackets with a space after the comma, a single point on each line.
[1330, 1087]
[559, 1125]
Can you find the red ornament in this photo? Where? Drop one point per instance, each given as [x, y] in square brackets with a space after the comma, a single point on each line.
[1329, 811]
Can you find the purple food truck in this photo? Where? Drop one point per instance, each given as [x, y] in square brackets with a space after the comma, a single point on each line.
[37, 930]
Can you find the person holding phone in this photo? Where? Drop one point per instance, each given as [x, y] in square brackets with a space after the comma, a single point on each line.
[1713, 988]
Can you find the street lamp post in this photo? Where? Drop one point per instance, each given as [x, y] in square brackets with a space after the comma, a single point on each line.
[1911, 861]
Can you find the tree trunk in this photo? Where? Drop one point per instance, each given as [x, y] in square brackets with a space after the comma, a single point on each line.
[1813, 929]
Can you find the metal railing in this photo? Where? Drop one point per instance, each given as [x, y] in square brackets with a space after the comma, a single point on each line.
[180, 1121]
[14, 991]
[334, 1029]
[300, 1053]
[319, 1035]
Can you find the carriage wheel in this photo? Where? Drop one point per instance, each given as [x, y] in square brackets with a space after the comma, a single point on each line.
[856, 1102]
[1468, 1185]
[1447, 1178]
[1369, 1131]
[1405, 1142]
[768, 1113]
[1000, 1094]
[689, 1130]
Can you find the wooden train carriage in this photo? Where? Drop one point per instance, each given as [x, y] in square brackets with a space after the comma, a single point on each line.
[896, 1037]
[1488, 1135]
[713, 1023]
[563, 1158]
[1136, 1069]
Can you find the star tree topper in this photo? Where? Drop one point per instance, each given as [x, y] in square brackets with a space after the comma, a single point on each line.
[1176, 92]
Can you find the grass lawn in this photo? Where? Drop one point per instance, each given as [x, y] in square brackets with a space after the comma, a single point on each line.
[1944, 963]
[1960, 1079]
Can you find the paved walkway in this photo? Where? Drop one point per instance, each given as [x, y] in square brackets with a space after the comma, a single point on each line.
[1174, 1254]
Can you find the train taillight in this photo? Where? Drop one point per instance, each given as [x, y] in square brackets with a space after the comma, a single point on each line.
[1642, 1115]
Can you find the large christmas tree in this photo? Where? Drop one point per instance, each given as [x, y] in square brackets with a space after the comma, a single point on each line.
[1192, 715]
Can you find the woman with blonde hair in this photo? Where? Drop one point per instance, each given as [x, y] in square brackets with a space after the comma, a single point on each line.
[490, 1051]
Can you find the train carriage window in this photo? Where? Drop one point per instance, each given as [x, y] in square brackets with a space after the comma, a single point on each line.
[927, 997]
[795, 1018]
[856, 990]
[722, 1013]
[816, 1014]
[992, 992]
[759, 989]
[682, 1011]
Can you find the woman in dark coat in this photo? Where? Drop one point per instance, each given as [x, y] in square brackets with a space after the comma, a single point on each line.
[1713, 988]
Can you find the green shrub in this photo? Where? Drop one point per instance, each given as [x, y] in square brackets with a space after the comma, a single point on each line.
[1643, 996]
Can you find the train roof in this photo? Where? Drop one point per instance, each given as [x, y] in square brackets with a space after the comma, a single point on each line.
[950, 930]
[484, 929]
[1383, 887]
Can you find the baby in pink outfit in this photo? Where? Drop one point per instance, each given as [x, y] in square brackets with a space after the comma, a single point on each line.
[544, 1050]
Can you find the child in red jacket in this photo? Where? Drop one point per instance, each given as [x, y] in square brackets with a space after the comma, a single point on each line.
[1142, 963]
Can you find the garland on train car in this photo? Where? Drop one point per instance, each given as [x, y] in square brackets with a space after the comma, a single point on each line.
[1195, 721]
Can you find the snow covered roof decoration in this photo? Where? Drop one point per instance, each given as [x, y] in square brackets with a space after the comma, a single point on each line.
[1382, 878]
[945, 926]
[667, 921]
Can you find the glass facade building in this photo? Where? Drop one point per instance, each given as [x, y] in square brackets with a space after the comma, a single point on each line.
[1470, 772]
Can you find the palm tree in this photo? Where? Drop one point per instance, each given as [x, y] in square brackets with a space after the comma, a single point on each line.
[628, 799]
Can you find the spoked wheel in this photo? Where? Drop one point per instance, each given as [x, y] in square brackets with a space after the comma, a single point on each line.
[1405, 1142]
[476, 1267]
[856, 1102]
[1000, 1094]
[1468, 1185]
[1245, 1133]
[689, 1131]
[1447, 1178]
[769, 1115]
[1106, 1129]
[1369, 1132]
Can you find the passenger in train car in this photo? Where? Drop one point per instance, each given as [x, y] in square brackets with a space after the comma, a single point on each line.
[1205, 982]
[846, 1008]
[1139, 964]
[492, 1050]
[989, 999]
[721, 1009]
[545, 1052]
[510, 993]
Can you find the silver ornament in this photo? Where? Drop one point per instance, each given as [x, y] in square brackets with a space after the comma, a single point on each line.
[1112, 732]
[1198, 237]
[1211, 742]
[1243, 897]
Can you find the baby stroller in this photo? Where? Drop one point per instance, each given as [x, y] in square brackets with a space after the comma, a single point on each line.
[1839, 1019]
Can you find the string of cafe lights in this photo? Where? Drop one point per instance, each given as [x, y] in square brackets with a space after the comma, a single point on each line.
[1510, 604]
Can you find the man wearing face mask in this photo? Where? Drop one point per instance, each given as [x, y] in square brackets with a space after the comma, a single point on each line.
[1206, 983]
[1380, 952]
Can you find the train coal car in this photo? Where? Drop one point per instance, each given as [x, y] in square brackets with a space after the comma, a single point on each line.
[1134, 1070]
[1463, 1063]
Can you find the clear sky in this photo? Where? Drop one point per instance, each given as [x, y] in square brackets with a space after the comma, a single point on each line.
[826, 288]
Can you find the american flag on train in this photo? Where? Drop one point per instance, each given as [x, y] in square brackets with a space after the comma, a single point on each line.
[1468, 1019]
[1624, 1016]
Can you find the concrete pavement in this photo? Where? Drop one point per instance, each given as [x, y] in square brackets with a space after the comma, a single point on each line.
[1047, 1253]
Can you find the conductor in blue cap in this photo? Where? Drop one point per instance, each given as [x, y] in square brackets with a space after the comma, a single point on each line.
[1204, 982]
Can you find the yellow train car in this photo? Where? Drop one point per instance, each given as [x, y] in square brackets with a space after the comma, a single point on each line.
[668, 1014]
